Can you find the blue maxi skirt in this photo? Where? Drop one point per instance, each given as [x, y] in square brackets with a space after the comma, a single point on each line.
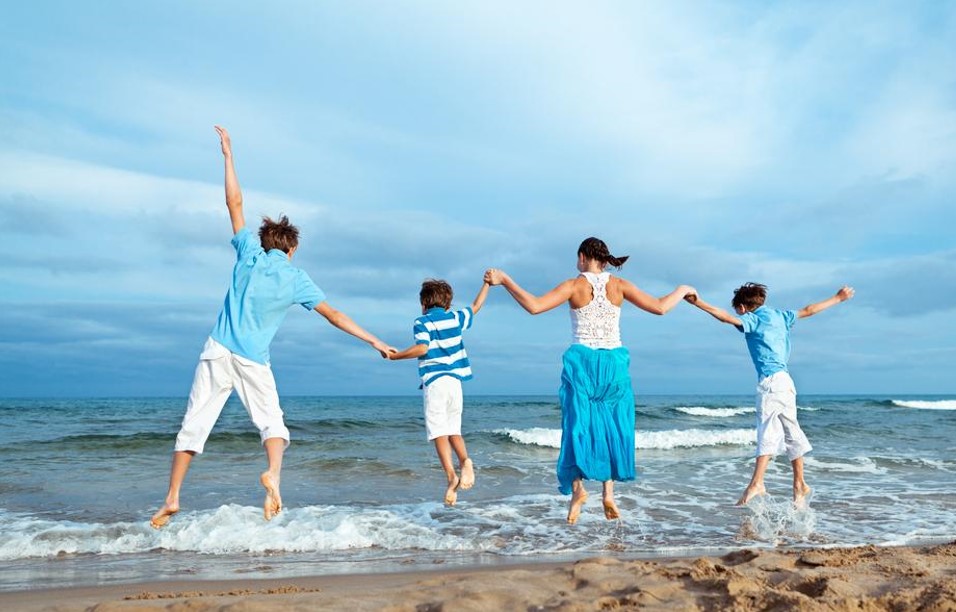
[597, 416]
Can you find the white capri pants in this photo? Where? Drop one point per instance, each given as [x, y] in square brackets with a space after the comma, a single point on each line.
[218, 373]
[443, 406]
[777, 427]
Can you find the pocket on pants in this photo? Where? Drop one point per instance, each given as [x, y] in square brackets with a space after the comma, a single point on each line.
[212, 350]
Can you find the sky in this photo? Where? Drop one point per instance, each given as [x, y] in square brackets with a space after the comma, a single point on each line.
[801, 145]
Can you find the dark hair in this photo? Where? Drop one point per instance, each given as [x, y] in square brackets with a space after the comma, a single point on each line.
[594, 248]
[750, 295]
[436, 293]
[279, 234]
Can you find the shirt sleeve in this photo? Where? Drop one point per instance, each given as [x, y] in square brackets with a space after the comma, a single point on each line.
[748, 322]
[245, 244]
[421, 333]
[465, 317]
[307, 292]
[789, 317]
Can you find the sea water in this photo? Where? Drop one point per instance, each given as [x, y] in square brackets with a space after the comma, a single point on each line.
[362, 488]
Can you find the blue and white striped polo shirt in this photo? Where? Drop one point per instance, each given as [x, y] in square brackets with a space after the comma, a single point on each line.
[441, 330]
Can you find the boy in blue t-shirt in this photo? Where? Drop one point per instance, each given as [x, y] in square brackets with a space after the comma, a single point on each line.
[443, 364]
[236, 354]
[767, 332]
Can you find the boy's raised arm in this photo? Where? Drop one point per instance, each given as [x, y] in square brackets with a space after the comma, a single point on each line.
[718, 313]
[845, 293]
[233, 193]
[480, 298]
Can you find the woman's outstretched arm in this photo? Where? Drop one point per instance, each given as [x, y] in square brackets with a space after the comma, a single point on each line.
[533, 304]
[655, 305]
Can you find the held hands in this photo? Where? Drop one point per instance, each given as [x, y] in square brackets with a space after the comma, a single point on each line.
[224, 140]
[494, 276]
[383, 349]
[690, 294]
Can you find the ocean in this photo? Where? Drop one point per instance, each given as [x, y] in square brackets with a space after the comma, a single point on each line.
[362, 488]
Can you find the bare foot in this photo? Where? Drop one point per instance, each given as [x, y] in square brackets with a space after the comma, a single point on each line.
[163, 515]
[273, 502]
[801, 495]
[751, 492]
[467, 474]
[611, 511]
[451, 493]
[577, 500]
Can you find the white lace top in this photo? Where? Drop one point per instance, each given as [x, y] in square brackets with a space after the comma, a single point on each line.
[597, 324]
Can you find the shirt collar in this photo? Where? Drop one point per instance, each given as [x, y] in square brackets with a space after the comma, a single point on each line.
[277, 253]
[435, 310]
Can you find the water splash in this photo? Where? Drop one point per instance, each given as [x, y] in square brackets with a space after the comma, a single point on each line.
[778, 522]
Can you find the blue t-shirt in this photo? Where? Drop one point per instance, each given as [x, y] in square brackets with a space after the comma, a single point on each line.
[263, 287]
[767, 331]
[441, 329]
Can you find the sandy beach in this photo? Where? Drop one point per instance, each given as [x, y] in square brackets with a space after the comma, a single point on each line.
[863, 578]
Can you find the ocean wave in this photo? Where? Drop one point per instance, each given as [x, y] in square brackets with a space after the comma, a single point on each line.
[714, 412]
[926, 404]
[645, 440]
[536, 436]
[138, 441]
[691, 438]
[860, 465]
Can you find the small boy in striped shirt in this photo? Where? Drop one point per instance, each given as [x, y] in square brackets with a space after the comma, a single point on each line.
[443, 364]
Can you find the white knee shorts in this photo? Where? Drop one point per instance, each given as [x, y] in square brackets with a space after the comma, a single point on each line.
[218, 373]
[443, 406]
[777, 427]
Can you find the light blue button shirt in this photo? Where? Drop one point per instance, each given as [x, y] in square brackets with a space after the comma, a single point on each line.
[263, 287]
[767, 331]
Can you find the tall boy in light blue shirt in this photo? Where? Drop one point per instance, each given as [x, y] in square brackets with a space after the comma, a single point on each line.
[767, 332]
[236, 354]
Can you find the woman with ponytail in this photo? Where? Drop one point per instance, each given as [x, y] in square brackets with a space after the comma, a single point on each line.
[597, 401]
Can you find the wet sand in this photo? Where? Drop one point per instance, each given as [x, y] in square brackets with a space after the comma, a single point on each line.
[865, 578]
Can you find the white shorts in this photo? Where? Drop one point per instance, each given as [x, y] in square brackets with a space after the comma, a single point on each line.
[218, 373]
[443, 406]
[777, 427]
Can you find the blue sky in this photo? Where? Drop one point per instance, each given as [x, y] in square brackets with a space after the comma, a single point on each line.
[802, 145]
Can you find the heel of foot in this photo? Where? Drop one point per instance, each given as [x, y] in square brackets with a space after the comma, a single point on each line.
[467, 474]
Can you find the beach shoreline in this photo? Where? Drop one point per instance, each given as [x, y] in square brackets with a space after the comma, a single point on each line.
[865, 577]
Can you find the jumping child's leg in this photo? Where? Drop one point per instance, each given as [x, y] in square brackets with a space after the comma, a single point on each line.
[465, 464]
[275, 447]
[800, 487]
[756, 486]
[611, 510]
[177, 474]
[578, 497]
[443, 449]
[210, 389]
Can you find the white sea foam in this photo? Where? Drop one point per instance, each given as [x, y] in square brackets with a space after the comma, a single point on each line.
[926, 405]
[240, 529]
[536, 436]
[860, 465]
[715, 412]
[659, 440]
[690, 438]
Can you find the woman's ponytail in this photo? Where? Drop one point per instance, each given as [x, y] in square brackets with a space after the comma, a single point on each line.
[596, 249]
